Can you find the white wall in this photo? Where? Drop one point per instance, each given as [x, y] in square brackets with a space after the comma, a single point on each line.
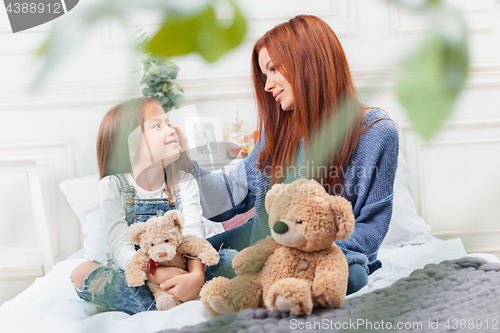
[456, 178]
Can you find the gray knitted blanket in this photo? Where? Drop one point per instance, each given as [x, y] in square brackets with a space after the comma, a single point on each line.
[459, 295]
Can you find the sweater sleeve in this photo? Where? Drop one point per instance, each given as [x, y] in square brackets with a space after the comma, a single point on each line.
[113, 218]
[190, 207]
[224, 196]
[369, 186]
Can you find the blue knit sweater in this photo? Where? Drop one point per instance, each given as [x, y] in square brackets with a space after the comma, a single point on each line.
[368, 183]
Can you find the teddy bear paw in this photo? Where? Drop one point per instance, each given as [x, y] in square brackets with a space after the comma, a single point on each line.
[165, 301]
[209, 257]
[217, 307]
[290, 295]
[136, 280]
[283, 304]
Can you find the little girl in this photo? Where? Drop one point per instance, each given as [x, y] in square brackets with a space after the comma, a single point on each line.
[143, 173]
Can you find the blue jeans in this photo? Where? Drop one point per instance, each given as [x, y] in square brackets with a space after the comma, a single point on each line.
[357, 278]
[107, 288]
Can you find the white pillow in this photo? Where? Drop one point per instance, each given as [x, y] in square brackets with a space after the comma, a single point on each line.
[81, 194]
[83, 198]
[406, 227]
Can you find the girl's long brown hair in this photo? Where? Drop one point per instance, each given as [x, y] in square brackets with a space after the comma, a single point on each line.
[306, 51]
[112, 140]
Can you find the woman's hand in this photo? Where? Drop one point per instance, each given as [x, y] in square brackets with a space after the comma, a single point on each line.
[182, 137]
[185, 287]
[163, 274]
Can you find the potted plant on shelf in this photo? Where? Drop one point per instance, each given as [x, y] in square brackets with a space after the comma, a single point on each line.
[158, 78]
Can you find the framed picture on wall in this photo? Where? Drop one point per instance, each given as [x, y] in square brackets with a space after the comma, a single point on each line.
[203, 133]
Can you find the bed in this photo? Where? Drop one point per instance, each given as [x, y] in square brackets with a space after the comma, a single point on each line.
[420, 275]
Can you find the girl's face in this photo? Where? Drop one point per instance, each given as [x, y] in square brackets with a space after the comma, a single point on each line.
[276, 83]
[159, 141]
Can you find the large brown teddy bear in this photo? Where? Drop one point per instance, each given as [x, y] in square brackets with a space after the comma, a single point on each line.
[299, 266]
[162, 244]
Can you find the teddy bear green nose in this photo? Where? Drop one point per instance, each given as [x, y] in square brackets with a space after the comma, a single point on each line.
[280, 227]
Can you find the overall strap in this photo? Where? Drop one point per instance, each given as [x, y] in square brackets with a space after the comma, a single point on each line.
[177, 196]
[126, 190]
[128, 193]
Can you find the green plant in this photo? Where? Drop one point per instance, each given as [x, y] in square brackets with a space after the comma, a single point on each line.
[159, 72]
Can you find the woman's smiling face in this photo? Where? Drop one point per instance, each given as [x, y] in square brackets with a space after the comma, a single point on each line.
[276, 84]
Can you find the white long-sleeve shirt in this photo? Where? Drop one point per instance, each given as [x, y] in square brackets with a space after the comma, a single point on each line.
[114, 207]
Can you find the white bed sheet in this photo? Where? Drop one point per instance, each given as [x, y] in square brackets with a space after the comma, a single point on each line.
[51, 304]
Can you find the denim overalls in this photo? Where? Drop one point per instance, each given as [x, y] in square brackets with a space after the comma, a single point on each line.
[106, 285]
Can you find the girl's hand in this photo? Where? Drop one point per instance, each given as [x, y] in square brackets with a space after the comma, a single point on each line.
[165, 273]
[182, 137]
[186, 286]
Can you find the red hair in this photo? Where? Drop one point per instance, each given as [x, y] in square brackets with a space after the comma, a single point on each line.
[306, 51]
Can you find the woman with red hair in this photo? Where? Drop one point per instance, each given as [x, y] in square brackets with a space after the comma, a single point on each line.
[309, 115]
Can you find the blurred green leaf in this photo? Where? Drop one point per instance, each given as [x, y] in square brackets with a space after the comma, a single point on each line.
[456, 65]
[436, 75]
[198, 33]
[42, 49]
[73, 29]
[154, 70]
[326, 140]
[436, 71]
[166, 86]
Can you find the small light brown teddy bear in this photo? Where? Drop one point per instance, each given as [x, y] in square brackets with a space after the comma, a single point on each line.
[162, 244]
[298, 266]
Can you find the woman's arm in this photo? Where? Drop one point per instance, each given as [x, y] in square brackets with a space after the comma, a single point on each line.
[224, 196]
[369, 186]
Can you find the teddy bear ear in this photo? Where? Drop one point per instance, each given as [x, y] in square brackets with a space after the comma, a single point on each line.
[135, 231]
[176, 217]
[343, 208]
[271, 194]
